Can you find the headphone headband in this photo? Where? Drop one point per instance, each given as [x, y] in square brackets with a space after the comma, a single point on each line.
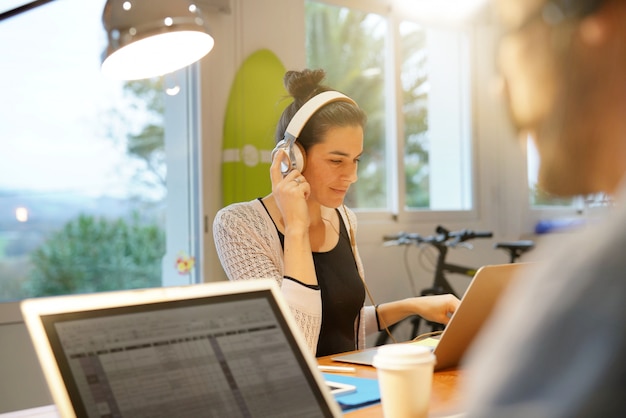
[308, 109]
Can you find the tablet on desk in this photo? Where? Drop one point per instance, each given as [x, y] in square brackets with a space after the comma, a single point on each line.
[337, 388]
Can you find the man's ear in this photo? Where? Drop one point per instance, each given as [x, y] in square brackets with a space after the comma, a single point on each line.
[602, 24]
[593, 30]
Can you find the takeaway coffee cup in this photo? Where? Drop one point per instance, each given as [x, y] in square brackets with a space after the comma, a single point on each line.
[405, 374]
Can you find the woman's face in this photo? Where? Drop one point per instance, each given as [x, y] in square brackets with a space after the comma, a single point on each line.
[331, 165]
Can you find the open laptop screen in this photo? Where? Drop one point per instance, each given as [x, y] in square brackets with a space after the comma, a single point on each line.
[226, 355]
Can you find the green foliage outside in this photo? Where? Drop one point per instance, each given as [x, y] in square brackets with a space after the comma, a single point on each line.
[139, 124]
[92, 254]
[148, 144]
[96, 254]
[52, 254]
[415, 112]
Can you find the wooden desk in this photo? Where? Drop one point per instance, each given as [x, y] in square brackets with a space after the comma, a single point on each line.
[445, 398]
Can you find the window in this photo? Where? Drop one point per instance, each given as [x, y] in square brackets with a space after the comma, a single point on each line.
[98, 183]
[539, 198]
[413, 82]
[551, 213]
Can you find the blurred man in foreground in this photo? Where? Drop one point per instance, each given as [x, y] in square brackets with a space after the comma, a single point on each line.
[557, 345]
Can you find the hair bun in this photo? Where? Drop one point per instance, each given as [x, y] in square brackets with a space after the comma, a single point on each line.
[302, 85]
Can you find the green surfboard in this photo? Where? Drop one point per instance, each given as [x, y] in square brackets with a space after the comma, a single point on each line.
[256, 100]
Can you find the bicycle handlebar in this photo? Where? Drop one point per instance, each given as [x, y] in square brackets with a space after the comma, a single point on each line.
[443, 237]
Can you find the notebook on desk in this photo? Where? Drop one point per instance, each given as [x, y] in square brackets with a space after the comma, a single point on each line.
[477, 303]
[218, 349]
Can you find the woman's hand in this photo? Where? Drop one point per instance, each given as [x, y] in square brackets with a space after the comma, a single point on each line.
[290, 193]
[437, 308]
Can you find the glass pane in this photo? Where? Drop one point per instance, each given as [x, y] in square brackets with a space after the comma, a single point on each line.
[83, 193]
[437, 118]
[350, 46]
[415, 87]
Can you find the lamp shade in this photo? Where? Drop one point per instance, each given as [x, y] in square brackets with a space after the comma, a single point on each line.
[148, 38]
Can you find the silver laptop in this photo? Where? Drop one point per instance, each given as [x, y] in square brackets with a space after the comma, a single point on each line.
[481, 296]
[226, 349]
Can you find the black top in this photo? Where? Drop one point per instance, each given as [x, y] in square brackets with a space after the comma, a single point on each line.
[343, 294]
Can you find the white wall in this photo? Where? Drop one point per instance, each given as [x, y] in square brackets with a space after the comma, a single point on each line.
[276, 25]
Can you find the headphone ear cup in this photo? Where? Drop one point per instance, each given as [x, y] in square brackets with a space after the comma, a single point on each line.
[300, 157]
[297, 153]
[279, 145]
[285, 164]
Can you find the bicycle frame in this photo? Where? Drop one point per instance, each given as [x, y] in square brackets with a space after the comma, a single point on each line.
[440, 283]
[442, 242]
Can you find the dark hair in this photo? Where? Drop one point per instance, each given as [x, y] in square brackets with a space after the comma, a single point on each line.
[302, 86]
[574, 8]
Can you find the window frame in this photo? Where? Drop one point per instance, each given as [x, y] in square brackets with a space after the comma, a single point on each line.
[184, 181]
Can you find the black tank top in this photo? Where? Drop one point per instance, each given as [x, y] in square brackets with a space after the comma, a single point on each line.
[343, 294]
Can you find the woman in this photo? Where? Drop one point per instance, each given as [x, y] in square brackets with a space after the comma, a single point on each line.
[302, 235]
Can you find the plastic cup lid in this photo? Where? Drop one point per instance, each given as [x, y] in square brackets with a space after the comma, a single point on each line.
[402, 355]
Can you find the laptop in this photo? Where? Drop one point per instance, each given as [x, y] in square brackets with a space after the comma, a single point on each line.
[227, 349]
[481, 296]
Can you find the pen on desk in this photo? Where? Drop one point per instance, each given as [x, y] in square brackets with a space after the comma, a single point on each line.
[340, 369]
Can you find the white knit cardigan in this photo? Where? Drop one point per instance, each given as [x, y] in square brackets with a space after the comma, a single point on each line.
[249, 247]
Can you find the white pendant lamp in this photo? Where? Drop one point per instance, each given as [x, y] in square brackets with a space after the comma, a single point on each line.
[149, 38]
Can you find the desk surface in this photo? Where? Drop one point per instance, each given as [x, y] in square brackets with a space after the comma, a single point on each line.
[444, 402]
[445, 397]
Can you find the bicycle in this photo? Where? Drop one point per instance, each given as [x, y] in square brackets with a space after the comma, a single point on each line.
[442, 241]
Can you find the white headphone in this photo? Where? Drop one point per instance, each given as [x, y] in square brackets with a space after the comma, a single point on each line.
[296, 157]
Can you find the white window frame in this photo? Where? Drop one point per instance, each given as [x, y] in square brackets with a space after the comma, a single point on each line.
[182, 133]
